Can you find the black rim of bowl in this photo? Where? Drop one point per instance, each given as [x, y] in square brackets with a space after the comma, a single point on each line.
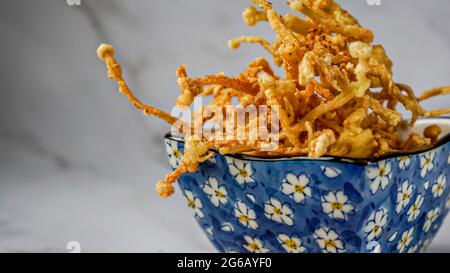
[342, 159]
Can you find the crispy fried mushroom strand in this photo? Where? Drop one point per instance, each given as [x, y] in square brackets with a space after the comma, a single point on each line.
[337, 96]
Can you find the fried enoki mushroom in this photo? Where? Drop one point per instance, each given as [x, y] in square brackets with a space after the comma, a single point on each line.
[434, 92]
[337, 96]
[106, 53]
[333, 17]
[190, 88]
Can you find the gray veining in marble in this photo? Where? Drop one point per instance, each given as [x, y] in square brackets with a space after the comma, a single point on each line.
[78, 163]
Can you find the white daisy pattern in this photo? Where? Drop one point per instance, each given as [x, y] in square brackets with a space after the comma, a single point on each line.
[432, 216]
[405, 240]
[374, 247]
[278, 212]
[217, 193]
[254, 245]
[245, 215]
[393, 236]
[403, 196]
[296, 187]
[174, 153]
[376, 223]
[336, 205]
[227, 227]
[379, 175]
[241, 171]
[414, 210]
[438, 188]
[251, 197]
[331, 172]
[426, 163]
[291, 244]
[404, 162]
[195, 204]
[328, 240]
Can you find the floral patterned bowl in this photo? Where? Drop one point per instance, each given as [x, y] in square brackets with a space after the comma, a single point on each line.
[392, 204]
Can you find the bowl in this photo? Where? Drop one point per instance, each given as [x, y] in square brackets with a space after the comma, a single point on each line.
[395, 203]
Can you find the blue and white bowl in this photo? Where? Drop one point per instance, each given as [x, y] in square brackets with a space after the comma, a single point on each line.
[392, 204]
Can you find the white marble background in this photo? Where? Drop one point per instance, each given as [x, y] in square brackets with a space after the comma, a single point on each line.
[78, 163]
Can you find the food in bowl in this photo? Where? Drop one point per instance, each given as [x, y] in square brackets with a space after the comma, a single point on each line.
[337, 99]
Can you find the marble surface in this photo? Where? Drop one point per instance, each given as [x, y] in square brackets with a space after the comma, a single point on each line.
[77, 163]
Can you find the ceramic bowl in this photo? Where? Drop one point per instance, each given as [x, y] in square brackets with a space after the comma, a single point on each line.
[396, 203]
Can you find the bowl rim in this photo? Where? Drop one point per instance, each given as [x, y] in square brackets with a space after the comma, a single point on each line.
[341, 159]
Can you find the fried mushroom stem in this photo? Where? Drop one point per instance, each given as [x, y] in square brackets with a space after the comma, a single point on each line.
[337, 96]
[106, 53]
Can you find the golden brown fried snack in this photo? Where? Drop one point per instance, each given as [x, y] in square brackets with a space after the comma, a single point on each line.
[291, 50]
[106, 53]
[434, 92]
[333, 17]
[432, 132]
[337, 97]
[271, 48]
[190, 88]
